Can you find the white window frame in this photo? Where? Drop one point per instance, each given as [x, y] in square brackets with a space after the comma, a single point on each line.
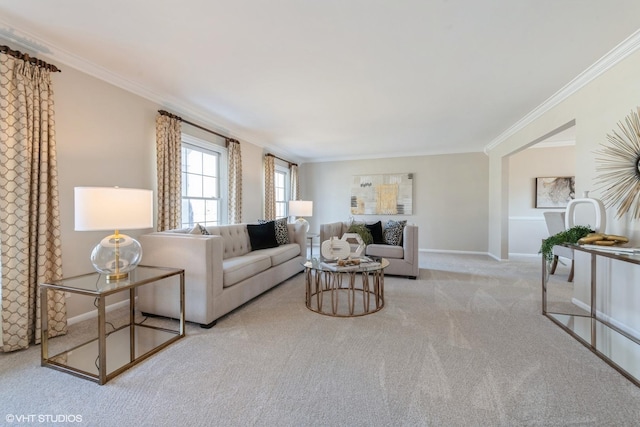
[223, 179]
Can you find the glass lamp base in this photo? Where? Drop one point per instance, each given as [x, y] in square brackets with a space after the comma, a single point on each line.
[117, 277]
[116, 255]
[304, 224]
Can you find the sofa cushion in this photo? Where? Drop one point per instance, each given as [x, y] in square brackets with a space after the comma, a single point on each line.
[281, 230]
[376, 232]
[282, 253]
[237, 269]
[385, 251]
[393, 232]
[262, 236]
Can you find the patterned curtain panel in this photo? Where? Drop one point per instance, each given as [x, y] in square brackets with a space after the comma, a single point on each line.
[169, 162]
[29, 203]
[235, 182]
[295, 184]
[269, 188]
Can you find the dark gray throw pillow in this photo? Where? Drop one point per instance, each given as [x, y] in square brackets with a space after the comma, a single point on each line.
[262, 236]
[282, 232]
[376, 232]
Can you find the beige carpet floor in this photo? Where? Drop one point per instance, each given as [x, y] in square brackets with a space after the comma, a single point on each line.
[464, 345]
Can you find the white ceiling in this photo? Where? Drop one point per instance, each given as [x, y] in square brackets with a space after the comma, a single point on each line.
[332, 79]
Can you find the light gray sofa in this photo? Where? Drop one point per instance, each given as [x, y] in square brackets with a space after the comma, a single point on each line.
[403, 260]
[222, 272]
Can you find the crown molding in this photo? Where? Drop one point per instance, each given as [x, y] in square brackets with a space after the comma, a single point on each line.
[36, 45]
[617, 54]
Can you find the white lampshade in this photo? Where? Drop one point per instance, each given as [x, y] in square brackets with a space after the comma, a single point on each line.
[114, 208]
[300, 208]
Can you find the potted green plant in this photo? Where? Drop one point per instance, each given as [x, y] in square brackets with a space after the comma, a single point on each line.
[571, 235]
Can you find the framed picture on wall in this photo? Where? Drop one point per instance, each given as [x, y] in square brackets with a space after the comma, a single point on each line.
[555, 192]
[382, 194]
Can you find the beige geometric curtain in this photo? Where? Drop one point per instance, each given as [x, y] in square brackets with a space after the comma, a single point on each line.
[295, 184]
[29, 203]
[235, 182]
[169, 164]
[269, 187]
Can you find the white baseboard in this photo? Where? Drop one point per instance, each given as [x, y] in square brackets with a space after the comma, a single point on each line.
[447, 251]
[519, 255]
[94, 313]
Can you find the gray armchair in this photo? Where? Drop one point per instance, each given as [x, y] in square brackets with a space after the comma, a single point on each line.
[403, 260]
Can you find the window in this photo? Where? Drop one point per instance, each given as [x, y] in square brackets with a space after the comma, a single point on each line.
[203, 183]
[282, 185]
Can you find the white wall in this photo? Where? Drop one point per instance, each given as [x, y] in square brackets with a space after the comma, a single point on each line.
[450, 196]
[596, 108]
[106, 137]
[526, 223]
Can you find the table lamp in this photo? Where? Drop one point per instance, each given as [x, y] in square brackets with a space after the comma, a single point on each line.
[114, 208]
[300, 209]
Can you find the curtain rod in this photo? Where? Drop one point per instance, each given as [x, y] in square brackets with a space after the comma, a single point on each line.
[280, 158]
[226, 138]
[25, 57]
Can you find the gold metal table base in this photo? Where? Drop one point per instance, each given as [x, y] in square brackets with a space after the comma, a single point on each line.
[335, 293]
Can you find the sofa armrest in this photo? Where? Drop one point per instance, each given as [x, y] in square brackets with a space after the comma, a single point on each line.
[410, 243]
[297, 234]
[201, 258]
[334, 229]
[199, 255]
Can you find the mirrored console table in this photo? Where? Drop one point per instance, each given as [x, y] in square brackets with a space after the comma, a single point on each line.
[596, 331]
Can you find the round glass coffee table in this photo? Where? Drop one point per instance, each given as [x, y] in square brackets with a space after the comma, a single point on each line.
[345, 291]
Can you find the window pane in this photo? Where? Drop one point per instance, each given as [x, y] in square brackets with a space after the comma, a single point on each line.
[187, 213]
[192, 160]
[198, 210]
[210, 164]
[201, 182]
[193, 185]
[212, 212]
[209, 187]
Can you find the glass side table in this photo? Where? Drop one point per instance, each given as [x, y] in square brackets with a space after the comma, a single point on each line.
[128, 344]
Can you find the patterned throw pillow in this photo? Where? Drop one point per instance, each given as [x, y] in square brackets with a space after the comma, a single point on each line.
[282, 232]
[198, 229]
[393, 232]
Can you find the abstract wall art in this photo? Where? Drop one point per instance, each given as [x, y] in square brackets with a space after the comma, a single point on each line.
[382, 194]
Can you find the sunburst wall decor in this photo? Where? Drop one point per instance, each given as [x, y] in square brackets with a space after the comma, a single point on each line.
[619, 166]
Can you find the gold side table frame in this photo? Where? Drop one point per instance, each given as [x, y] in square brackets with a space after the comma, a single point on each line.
[345, 295]
[132, 342]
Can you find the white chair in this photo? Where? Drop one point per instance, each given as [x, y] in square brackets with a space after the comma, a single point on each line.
[556, 224]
